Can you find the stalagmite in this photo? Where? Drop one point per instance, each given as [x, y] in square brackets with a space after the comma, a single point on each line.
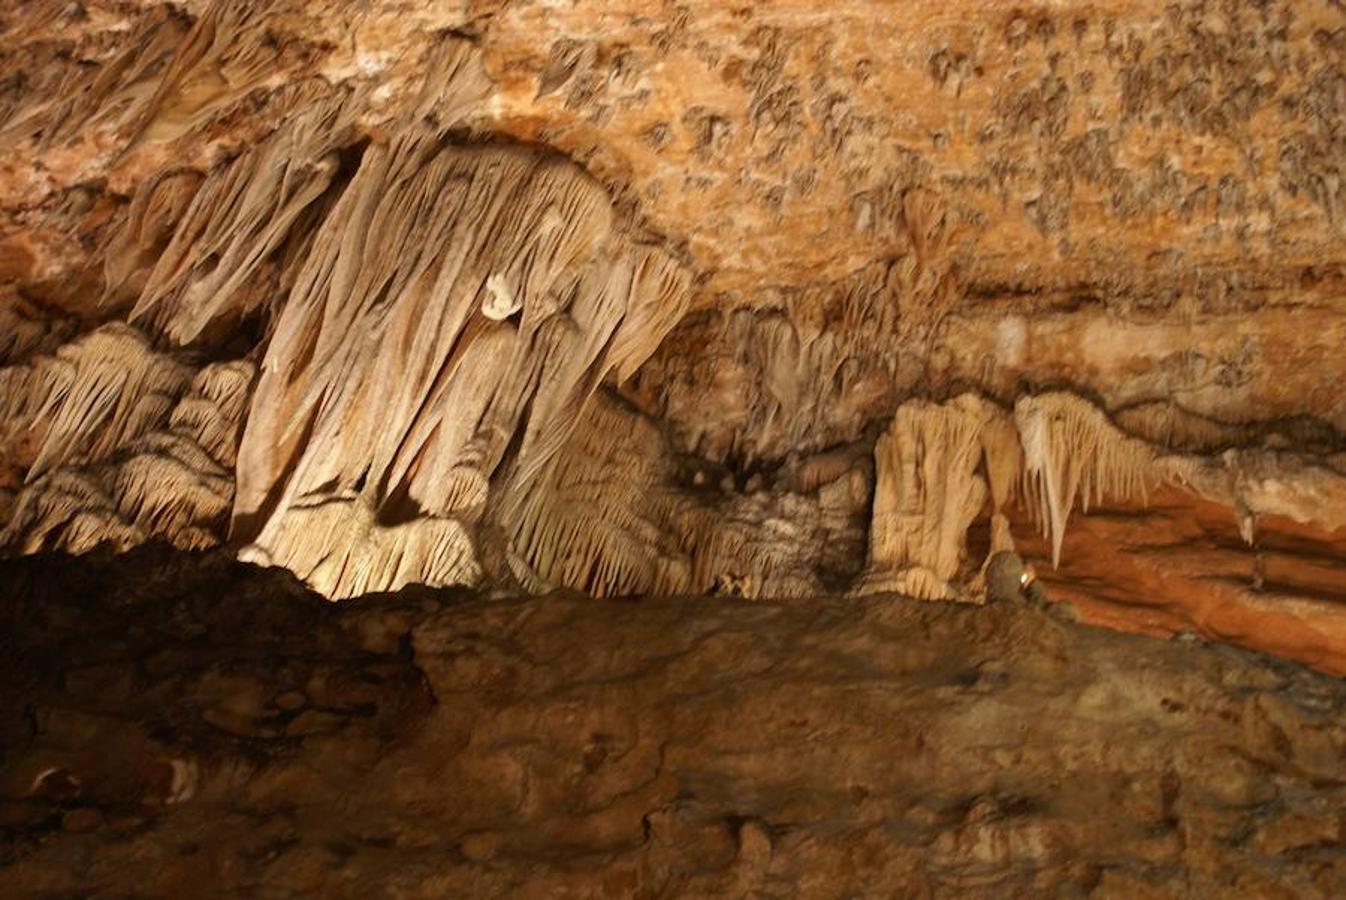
[929, 487]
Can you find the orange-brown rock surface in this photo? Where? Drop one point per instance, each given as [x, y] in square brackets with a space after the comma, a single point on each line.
[789, 298]
[184, 725]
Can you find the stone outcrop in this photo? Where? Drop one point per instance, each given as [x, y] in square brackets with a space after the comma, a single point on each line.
[179, 724]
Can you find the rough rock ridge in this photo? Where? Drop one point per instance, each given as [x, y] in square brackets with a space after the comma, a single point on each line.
[185, 725]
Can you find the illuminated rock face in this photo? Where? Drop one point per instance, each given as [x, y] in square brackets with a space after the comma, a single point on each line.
[635, 297]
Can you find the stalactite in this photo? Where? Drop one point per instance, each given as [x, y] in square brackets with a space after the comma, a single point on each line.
[455, 361]
[25, 330]
[395, 301]
[170, 487]
[69, 510]
[109, 96]
[1002, 453]
[1257, 482]
[235, 221]
[1072, 452]
[607, 517]
[153, 216]
[930, 484]
[1062, 452]
[594, 522]
[93, 395]
[810, 372]
[229, 51]
[387, 304]
[211, 414]
[337, 547]
[174, 482]
[482, 292]
[167, 78]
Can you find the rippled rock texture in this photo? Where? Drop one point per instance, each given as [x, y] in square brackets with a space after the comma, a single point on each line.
[181, 725]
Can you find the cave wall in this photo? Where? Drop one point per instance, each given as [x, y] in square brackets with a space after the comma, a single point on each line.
[778, 298]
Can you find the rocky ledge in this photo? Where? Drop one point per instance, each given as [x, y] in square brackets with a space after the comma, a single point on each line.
[186, 725]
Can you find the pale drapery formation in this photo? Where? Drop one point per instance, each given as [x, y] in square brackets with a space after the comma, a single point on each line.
[170, 77]
[938, 464]
[94, 395]
[610, 516]
[935, 468]
[598, 521]
[123, 444]
[342, 253]
[242, 214]
[456, 311]
[434, 315]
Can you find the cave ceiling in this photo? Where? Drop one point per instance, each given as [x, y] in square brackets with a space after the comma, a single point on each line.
[783, 297]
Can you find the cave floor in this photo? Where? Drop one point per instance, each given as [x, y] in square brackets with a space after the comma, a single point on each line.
[187, 726]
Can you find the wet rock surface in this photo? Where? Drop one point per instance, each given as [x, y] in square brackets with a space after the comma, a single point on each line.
[185, 725]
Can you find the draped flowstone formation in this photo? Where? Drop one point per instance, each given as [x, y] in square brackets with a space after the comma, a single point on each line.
[481, 295]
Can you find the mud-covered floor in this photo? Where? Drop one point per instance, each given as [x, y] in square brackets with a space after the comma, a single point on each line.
[186, 726]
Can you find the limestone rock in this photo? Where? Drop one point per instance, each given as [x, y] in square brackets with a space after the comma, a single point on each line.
[648, 298]
[544, 746]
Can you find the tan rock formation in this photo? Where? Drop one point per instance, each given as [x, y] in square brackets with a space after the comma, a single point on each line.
[929, 488]
[160, 462]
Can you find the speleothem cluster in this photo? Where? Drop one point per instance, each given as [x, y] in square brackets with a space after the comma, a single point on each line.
[494, 296]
